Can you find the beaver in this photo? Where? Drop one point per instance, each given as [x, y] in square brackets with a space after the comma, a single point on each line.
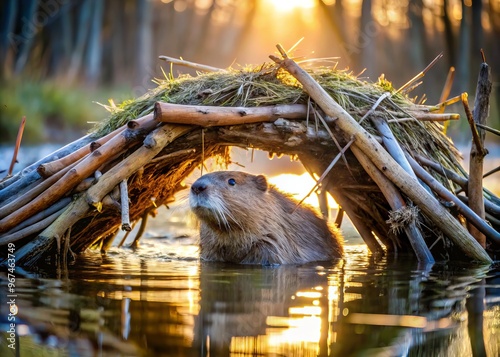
[245, 220]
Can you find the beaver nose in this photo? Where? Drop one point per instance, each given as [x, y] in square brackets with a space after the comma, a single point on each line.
[198, 187]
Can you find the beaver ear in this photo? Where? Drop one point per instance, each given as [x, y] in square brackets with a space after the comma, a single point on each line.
[261, 182]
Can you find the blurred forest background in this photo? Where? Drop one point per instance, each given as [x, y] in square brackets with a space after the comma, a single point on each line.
[59, 56]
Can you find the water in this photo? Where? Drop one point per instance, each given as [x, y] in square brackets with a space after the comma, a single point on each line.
[161, 301]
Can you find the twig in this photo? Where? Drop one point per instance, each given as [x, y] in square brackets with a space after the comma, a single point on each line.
[439, 108]
[173, 154]
[475, 135]
[437, 117]
[196, 66]
[487, 128]
[326, 172]
[447, 88]
[208, 116]
[124, 206]
[419, 75]
[364, 231]
[142, 229]
[374, 106]
[478, 152]
[491, 172]
[16, 148]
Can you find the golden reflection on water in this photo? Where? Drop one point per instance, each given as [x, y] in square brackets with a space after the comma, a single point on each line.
[133, 304]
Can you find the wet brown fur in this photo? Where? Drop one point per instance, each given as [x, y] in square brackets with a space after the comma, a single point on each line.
[252, 222]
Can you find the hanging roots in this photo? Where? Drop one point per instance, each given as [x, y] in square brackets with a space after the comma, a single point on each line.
[402, 217]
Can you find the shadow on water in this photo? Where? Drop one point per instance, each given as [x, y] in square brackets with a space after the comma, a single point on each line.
[149, 302]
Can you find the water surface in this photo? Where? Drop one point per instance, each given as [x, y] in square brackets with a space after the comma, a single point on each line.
[161, 301]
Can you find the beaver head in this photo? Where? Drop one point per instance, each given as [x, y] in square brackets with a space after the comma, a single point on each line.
[222, 199]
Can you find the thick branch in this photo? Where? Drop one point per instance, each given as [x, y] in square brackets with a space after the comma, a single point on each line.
[219, 116]
[478, 152]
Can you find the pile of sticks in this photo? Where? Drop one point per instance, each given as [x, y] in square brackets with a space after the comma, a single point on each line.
[86, 192]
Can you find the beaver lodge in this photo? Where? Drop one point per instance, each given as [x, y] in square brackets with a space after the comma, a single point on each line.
[380, 154]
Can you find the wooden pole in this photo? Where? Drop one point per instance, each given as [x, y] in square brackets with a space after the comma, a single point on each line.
[218, 116]
[478, 152]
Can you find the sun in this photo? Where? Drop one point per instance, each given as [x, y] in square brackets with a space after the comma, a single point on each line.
[290, 5]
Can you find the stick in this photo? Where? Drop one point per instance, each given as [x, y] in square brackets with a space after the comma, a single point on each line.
[141, 230]
[447, 88]
[470, 215]
[327, 171]
[476, 140]
[50, 168]
[41, 215]
[197, 66]
[392, 145]
[364, 231]
[429, 117]
[397, 203]
[420, 75]
[384, 162]
[207, 116]
[124, 206]
[487, 128]
[477, 153]
[489, 206]
[16, 148]
[450, 175]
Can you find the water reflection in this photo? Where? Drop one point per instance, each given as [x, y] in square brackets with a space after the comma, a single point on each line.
[150, 302]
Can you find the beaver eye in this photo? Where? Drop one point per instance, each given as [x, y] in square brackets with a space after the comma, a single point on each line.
[231, 181]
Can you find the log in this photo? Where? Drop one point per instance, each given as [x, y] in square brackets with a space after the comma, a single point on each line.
[207, 116]
[384, 162]
[16, 147]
